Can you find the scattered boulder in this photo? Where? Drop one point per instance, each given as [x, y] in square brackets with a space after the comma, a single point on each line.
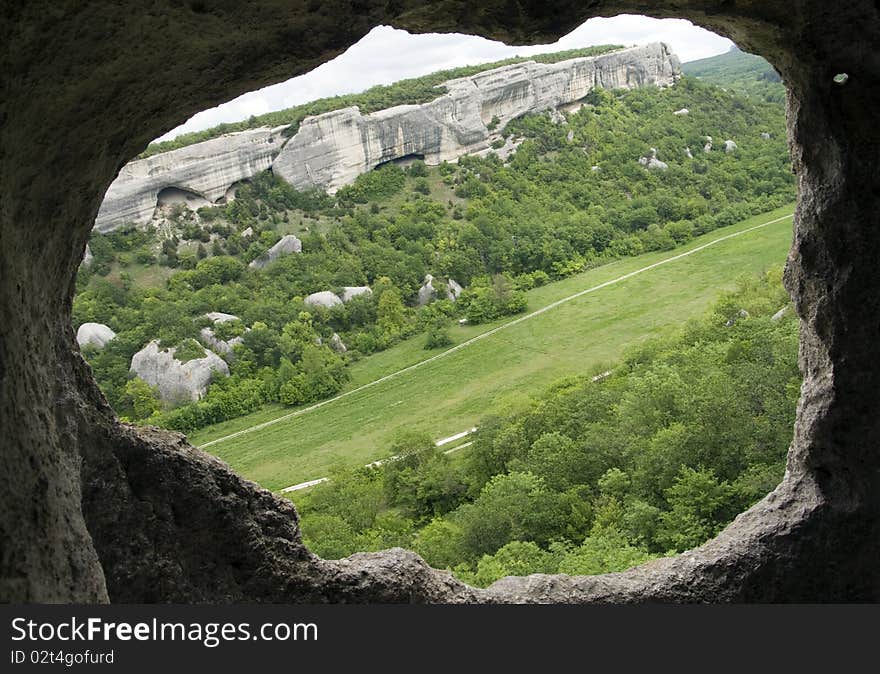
[708, 146]
[427, 292]
[729, 146]
[220, 317]
[765, 135]
[683, 111]
[570, 136]
[247, 233]
[88, 258]
[337, 344]
[453, 289]
[94, 334]
[594, 168]
[350, 292]
[651, 162]
[779, 314]
[687, 153]
[286, 246]
[324, 298]
[175, 380]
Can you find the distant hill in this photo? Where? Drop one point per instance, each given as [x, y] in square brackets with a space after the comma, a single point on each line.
[741, 72]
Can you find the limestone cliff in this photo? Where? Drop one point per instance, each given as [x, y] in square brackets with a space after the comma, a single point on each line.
[204, 171]
[332, 149]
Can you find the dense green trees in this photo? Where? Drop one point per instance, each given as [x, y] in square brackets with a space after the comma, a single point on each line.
[597, 475]
[497, 228]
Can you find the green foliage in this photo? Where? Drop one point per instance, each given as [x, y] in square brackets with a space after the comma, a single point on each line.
[597, 476]
[188, 350]
[142, 398]
[738, 71]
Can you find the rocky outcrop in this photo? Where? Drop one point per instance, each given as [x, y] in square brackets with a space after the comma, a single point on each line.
[87, 257]
[652, 163]
[204, 170]
[287, 245]
[324, 298]
[730, 146]
[427, 292]
[177, 381]
[94, 334]
[332, 149]
[337, 344]
[350, 292]
[453, 289]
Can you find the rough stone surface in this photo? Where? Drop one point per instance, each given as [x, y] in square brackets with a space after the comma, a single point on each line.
[287, 245]
[683, 111]
[427, 292]
[652, 163]
[324, 298]
[350, 292]
[453, 289]
[217, 345]
[730, 146]
[220, 317]
[206, 170]
[94, 334]
[177, 381]
[332, 149]
[87, 257]
[688, 153]
[337, 344]
[93, 509]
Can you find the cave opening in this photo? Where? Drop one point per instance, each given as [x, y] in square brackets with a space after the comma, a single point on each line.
[760, 558]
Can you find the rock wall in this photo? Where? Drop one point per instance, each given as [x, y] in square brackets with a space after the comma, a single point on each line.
[332, 149]
[206, 169]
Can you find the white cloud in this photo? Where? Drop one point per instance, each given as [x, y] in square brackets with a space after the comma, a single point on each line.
[386, 55]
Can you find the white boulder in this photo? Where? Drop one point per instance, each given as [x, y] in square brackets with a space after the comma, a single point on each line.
[337, 344]
[708, 146]
[427, 292]
[453, 289]
[683, 111]
[87, 257]
[220, 317]
[288, 245]
[177, 381]
[350, 292]
[94, 334]
[651, 162]
[688, 153]
[729, 146]
[323, 298]
[765, 135]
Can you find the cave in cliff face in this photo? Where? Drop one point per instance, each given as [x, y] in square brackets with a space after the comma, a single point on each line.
[95, 510]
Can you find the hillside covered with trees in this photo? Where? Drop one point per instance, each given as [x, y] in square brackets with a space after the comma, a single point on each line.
[573, 196]
[598, 475]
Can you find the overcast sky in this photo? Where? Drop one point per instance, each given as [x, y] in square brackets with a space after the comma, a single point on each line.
[386, 55]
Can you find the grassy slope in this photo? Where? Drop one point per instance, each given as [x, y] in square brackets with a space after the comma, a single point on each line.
[453, 393]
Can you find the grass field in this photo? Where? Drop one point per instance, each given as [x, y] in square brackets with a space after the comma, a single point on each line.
[502, 370]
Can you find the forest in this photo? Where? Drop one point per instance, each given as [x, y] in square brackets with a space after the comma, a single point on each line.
[600, 474]
[573, 196]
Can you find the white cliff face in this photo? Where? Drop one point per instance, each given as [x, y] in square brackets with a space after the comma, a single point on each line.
[332, 149]
[176, 381]
[206, 170]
